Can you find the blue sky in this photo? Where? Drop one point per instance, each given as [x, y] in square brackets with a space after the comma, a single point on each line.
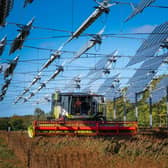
[68, 15]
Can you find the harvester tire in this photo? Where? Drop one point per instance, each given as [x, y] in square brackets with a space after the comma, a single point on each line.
[31, 131]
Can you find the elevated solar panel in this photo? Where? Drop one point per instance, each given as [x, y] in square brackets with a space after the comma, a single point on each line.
[97, 39]
[149, 66]
[151, 45]
[163, 83]
[138, 86]
[72, 84]
[11, 67]
[110, 94]
[98, 75]
[23, 33]
[26, 2]
[5, 8]
[103, 63]
[87, 89]
[2, 45]
[139, 8]
[160, 91]
[158, 94]
[108, 83]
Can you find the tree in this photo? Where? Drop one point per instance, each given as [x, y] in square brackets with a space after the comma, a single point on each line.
[39, 114]
[4, 123]
[16, 123]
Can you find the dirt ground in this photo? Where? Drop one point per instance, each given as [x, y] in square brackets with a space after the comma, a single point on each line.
[89, 152]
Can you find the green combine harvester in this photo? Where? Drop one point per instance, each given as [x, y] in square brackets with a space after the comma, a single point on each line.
[80, 114]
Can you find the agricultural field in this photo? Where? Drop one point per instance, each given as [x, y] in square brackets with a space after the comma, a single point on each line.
[7, 157]
[85, 152]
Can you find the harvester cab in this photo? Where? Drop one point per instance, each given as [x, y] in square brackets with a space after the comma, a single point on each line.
[78, 106]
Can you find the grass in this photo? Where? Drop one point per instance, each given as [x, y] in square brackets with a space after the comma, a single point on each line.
[7, 157]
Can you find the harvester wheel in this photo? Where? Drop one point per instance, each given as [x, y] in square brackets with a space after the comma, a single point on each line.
[31, 131]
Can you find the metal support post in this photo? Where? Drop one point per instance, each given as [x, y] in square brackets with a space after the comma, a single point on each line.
[125, 112]
[136, 106]
[150, 106]
[167, 106]
[114, 108]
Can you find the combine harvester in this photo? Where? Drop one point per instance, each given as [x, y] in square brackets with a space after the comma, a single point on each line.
[80, 114]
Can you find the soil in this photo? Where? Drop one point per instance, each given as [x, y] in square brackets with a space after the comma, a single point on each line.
[141, 151]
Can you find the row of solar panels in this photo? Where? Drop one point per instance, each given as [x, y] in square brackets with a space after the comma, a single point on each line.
[6, 6]
[102, 8]
[147, 69]
[158, 38]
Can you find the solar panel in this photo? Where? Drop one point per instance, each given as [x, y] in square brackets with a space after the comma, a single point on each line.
[98, 75]
[108, 83]
[25, 91]
[46, 98]
[31, 95]
[6, 84]
[141, 84]
[138, 86]
[103, 63]
[5, 7]
[37, 78]
[41, 87]
[95, 40]
[4, 88]
[19, 40]
[160, 91]
[163, 83]
[60, 69]
[10, 69]
[17, 99]
[110, 95]
[52, 58]
[26, 2]
[2, 45]
[151, 45]
[72, 84]
[87, 89]
[1, 68]
[102, 8]
[139, 8]
[149, 66]
[158, 94]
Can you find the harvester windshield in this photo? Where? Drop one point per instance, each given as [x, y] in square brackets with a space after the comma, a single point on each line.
[77, 105]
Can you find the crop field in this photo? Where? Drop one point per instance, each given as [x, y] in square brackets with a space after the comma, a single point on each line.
[7, 157]
[87, 152]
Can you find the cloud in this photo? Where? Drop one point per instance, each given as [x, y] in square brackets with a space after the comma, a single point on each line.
[144, 29]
